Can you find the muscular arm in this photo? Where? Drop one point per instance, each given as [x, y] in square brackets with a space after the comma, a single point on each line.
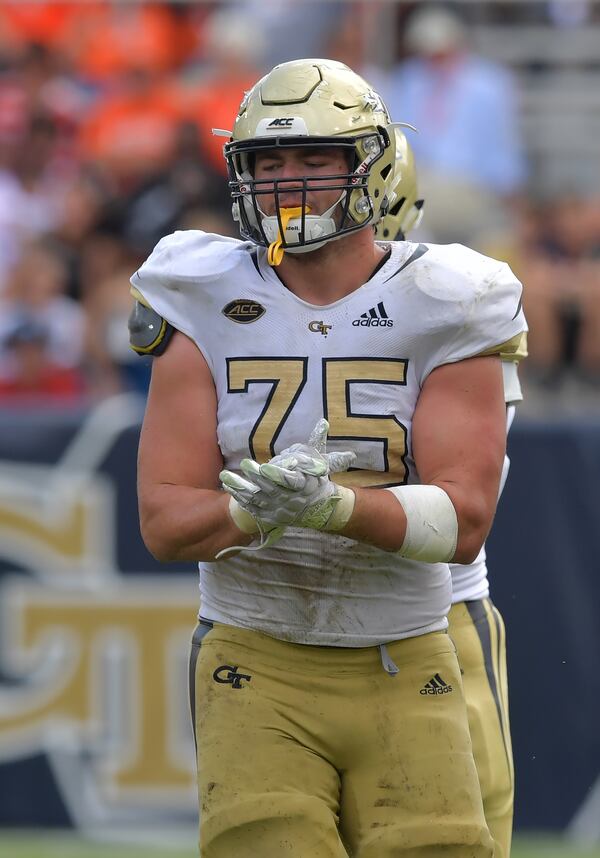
[183, 513]
[459, 440]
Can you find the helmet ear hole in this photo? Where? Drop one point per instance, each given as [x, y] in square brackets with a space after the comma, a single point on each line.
[397, 206]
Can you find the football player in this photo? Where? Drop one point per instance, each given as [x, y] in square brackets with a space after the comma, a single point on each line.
[475, 624]
[347, 394]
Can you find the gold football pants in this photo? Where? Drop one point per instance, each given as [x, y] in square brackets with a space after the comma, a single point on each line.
[318, 752]
[477, 630]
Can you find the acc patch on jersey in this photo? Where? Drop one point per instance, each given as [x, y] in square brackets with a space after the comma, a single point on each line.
[149, 333]
[243, 310]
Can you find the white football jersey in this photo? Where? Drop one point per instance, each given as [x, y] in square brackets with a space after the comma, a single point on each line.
[279, 364]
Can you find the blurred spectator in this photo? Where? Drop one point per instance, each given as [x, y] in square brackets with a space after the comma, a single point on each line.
[290, 31]
[356, 28]
[33, 377]
[114, 367]
[131, 132]
[38, 106]
[85, 208]
[189, 183]
[38, 82]
[231, 62]
[106, 144]
[569, 13]
[186, 196]
[30, 191]
[36, 291]
[464, 107]
[561, 272]
[21, 94]
[115, 37]
[49, 24]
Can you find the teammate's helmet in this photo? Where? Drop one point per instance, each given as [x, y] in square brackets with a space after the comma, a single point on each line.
[311, 103]
[405, 208]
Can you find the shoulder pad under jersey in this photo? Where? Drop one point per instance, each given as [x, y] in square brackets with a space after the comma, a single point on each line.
[190, 255]
[184, 270]
[471, 304]
[149, 333]
[454, 274]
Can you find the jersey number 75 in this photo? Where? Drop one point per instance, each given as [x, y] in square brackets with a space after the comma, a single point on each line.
[288, 376]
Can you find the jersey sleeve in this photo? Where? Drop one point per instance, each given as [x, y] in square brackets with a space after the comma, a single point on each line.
[475, 309]
[176, 283]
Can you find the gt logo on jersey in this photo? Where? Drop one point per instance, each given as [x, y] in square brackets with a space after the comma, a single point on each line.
[319, 328]
[243, 310]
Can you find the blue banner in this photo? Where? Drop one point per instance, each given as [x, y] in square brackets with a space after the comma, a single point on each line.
[94, 634]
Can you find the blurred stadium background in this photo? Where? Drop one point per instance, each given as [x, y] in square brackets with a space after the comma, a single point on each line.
[106, 111]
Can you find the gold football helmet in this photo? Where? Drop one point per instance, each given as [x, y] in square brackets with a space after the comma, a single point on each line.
[311, 103]
[405, 208]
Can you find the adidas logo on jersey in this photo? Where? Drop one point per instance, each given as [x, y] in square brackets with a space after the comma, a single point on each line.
[436, 685]
[376, 317]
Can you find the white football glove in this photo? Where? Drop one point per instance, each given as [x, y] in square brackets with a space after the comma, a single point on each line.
[246, 521]
[293, 488]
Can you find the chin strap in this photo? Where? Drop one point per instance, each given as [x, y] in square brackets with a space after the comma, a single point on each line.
[276, 251]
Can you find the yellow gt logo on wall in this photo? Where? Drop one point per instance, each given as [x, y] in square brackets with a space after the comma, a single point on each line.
[97, 660]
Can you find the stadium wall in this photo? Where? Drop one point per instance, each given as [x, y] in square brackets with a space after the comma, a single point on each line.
[94, 727]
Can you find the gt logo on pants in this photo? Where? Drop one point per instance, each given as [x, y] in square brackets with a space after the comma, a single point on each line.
[228, 675]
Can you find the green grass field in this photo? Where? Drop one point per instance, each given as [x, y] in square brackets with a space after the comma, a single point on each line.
[54, 845]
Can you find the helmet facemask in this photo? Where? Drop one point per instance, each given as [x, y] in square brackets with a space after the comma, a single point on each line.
[301, 229]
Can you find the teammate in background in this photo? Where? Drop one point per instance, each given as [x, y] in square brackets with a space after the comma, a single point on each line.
[326, 694]
[475, 624]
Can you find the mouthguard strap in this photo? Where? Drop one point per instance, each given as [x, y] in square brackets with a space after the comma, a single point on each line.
[276, 251]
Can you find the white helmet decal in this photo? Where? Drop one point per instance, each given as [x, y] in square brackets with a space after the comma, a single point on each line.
[281, 125]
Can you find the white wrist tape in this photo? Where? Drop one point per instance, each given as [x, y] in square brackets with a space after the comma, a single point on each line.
[431, 523]
[342, 511]
[242, 519]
